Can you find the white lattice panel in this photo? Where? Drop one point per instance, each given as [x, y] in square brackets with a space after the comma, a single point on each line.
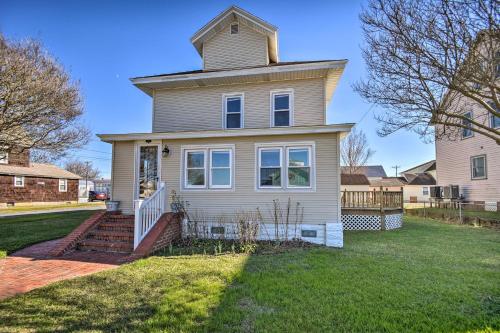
[361, 222]
[393, 221]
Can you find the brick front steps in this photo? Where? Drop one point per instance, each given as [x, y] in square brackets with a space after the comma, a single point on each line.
[106, 232]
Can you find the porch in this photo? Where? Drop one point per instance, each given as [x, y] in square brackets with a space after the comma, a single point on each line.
[372, 210]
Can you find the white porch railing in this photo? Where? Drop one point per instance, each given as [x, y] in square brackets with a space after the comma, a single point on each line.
[148, 212]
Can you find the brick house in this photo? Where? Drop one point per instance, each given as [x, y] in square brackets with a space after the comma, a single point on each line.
[23, 182]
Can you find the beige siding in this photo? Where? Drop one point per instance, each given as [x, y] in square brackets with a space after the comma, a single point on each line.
[122, 187]
[201, 108]
[415, 191]
[454, 166]
[319, 206]
[247, 48]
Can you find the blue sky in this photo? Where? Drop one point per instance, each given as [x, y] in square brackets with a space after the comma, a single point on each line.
[104, 43]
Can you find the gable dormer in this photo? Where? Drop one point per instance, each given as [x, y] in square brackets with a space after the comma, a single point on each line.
[235, 39]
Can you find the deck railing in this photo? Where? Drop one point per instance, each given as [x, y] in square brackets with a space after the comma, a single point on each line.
[148, 212]
[372, 199]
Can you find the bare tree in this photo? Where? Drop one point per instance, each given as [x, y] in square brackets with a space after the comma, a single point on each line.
[429, 62]
[40, 107]
[83, 169]
[355, 151]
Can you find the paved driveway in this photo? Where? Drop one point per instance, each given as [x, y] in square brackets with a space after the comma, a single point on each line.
[32, 268]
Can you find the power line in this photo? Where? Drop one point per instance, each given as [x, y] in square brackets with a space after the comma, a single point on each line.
[396, 167]
[95, 151]
[364, 115]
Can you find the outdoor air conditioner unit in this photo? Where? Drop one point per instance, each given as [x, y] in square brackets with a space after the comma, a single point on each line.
[451, 192]
[436, 192]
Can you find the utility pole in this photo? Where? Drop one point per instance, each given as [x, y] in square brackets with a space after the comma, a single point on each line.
[396, 167]
[87, 179]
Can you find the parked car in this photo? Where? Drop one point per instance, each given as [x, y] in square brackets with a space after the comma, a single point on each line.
[93, 196]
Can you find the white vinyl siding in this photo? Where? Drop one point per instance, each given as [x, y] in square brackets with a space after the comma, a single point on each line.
[63, 185]
[243, 49]
[19, 181]
[193, 109]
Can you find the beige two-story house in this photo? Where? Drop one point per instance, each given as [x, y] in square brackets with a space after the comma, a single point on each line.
[245, 130]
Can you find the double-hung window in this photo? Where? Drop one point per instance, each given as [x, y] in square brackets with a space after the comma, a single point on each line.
[282, 108]
[220, 168]
[467, 131]
[478, 167]
[195, 173]
[494, 120]
[18, 181]
[299, 167]
[425, 191]
[4, 157]
[285, 167]
[270, 167]
[63, 185]
[208, 168]
[233, 111]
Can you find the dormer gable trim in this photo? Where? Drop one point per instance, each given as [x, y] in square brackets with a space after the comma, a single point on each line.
[229, 16]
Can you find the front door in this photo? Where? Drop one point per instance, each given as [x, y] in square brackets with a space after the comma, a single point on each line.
[148, 171]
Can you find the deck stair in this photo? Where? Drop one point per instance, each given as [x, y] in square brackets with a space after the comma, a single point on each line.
[115, 233]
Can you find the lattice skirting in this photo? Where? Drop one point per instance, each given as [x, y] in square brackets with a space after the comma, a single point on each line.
[371, 222]
[393, 221]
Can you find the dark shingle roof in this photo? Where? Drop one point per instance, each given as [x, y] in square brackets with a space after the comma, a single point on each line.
[368, 170]
[419, 179]
[198, 71]
[421, 168]
[389, 181]
[353, 179]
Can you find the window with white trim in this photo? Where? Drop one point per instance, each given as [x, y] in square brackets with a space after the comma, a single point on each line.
[270, 167]
[425, 190]
[285, 166]
[220, 168]
[282, 108]
[208, 168]
[63, 185]
[478, 167]
[467, 132]
[195, 170]
[299, 167]
[4, 157]
[19, 181]
[233, 111]
[494, 120]
[235, 28]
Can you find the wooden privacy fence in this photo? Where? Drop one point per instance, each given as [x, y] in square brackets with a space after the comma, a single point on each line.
[372, 199]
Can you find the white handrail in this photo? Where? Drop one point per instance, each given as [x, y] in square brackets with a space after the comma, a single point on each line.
[148, 212]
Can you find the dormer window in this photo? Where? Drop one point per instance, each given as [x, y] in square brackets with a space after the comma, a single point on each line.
[235, 28]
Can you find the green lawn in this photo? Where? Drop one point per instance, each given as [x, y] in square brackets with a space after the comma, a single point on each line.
[439, 212]
[425, 277]
[20, 231]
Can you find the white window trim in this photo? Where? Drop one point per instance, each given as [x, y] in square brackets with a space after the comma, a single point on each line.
[424, 188]
[204, 151]
[65, 182]
[5, 159]
[471, 132]
[230, 28]
[288, 91]
[472, 167]
[207, 149]
[22, 181]
[211, 185]
[309, 152]
[224, 109]
[284, 168]
[259, 150]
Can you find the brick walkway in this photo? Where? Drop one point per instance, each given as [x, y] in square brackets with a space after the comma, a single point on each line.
[32, 267]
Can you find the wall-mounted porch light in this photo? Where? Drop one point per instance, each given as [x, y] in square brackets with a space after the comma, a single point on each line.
[165, 152]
